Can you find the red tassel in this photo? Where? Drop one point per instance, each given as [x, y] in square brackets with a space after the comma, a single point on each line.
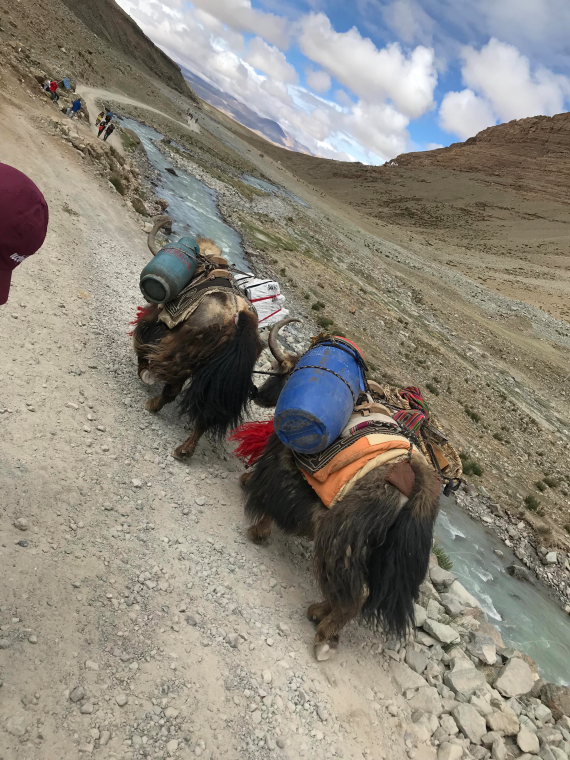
[142, 312]
[253, 438]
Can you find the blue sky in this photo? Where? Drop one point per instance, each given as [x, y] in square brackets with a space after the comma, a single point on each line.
[368, 79]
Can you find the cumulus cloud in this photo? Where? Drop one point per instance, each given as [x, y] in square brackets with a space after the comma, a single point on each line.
[464, 114]
[242, 16]
[372, 73]
[505, 78]
[270, 60]
[319, 81]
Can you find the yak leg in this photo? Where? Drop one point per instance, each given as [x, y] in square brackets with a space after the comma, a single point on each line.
[328, 629]
[186, 449]
[260, 530]
[168, 394]
[318, 611]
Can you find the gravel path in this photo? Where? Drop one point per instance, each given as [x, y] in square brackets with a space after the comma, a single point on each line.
[136, 619]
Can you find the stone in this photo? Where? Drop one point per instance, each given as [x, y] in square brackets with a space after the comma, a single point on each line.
[434, 610]
[444, 633]
[519, 572]
[21, 524]
[428, 700]
[77, 694]
[4, 644]
[464, 679]
[121, 699]
[441, 578]
[452, 605]
[405, 677]
[515, 678]
[482, 705]
[557, 698]
[551, 558]
[172, 746]
[490, 630]
[449, 751]
[86, 708]
[505, 721]
[527, 741]
[483, 647]
[549, 735]
[16, 725]
[499, 750]
[542, 713]
[470, 722]
[416, 660]
[420, 615]
[459, 591]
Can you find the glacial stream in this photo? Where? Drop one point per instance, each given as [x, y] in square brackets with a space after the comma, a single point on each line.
[527, 617]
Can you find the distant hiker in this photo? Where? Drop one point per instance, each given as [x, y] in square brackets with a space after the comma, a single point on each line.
[100, 118]
[53, 85]
[109, 131]
[102, 128]
[23, 223]
[75, 107]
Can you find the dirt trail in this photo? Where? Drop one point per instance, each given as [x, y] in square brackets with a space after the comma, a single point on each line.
[136, 619]
[95, 95]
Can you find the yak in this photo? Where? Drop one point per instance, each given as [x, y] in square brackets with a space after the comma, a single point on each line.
[206, 361]
[371, 548]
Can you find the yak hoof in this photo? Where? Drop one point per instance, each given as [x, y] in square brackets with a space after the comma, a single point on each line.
[255, 535]
[147, 377]
[181, 455]
[323, 651]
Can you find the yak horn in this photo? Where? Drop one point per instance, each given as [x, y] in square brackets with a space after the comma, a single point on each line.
[159, 222]
[273, 343]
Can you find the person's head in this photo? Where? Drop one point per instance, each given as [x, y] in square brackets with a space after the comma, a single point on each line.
[23, 222]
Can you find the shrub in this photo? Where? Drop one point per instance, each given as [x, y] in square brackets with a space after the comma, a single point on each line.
[470, 466]
[432, 389]
[317, 306]
[472, 414]
[532, 503]
[567, 527]
[498, 437]
[551, 481]
[324, 322]
[540, 485]
[443, 558]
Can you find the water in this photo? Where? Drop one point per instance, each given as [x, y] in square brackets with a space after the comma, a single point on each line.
[528, 619]
[191, 203]
[269, 187]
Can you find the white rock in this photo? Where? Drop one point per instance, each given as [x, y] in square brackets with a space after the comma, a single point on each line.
[420, 615]
[449, 751]
[499, 750]
[441, 578]
[505, 721]
[405, 677]
[427, 700]
[527, 741]
[444, 633]
[470, 722]
[515, 678]
[462, 595]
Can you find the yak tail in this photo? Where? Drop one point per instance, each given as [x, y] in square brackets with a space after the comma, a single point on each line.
[219, 391]
[371, 554]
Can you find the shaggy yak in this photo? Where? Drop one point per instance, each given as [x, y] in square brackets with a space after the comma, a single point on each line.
[215, 349]
[371, 548]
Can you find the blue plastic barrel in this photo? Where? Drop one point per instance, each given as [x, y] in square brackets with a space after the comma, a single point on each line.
[170, 270]
[319, 397]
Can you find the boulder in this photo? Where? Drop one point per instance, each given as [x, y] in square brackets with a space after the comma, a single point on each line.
[499, 750]
[428, 700]
[527, 741]
[452, 605]
[441, 578]
[515, 678]
[448, 751]
[139, 206]
[504, 721]
[416, 660]
[420, 615]
[551, 558]
[488, 629]
[557, 698]
[519, 572]
[444, 633]
[462, 595]
[483, 647]
[464, 679]
[470, 722]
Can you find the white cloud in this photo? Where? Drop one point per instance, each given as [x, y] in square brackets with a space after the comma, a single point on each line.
[373, 74]
[319, 81]
[271, 61]
[504, 76]
[465, 113]
[240, 15]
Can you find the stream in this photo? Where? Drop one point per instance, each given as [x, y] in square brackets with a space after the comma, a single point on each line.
[527, 617]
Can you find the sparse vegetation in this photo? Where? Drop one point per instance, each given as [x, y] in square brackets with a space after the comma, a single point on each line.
[443, 558]
[472, 414]
[317, 306]
[532, 503]
[567, 527]
[432, 389]
[470, 466]
[551, 481]
[324, 322]
[540, 486]
[499, 437]
[130, 140]
[71, 211]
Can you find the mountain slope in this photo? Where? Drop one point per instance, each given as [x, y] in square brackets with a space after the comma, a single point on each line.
[110, 23]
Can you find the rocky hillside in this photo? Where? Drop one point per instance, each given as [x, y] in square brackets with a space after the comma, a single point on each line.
[112, 24]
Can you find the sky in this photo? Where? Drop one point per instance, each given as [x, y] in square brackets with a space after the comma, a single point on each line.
[365, 80]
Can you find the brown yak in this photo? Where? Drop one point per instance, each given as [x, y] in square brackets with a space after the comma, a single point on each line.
[215, 349]
[371, 548]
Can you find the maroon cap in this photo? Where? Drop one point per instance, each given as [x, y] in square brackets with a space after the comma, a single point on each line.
[23, 222]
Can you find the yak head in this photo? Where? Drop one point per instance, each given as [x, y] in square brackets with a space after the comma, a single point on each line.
[282, 366]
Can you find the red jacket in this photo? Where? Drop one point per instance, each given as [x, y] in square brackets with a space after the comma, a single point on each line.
[53, 85]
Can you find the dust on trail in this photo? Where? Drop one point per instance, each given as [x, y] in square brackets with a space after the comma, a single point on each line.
[137, 620]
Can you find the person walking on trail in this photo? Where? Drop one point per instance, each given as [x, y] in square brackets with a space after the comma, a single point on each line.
[100, 118]
[53, 85]
[104, 124]
[109, 131]
[75, 108]
[24, 220]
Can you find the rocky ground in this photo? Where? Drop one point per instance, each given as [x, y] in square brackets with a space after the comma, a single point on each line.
[136, 620]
